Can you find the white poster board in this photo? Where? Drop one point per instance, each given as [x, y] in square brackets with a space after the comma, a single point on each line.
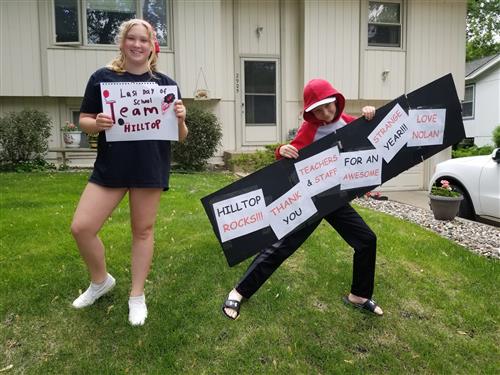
[319, 172]
[391, 134]
[241, 215]
[360, 168]
[427, 126]
[289, 211]
[140, 111]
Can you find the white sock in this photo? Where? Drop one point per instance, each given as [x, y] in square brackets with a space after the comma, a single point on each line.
[93, 292]
[234, 295]
[138, 311]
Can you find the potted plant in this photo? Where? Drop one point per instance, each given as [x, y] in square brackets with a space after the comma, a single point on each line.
[71, 135]
[92, 138]
[444, 201]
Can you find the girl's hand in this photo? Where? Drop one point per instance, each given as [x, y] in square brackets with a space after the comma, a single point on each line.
[180, 111]
[288, 151]
[103, 122]
[368, 112]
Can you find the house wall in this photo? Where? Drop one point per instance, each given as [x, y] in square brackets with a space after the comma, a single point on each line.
[292, 45]
[203, 45]
[331, 44]
[435, 42]
[20, 59]
[309, 38]
[382, 69]
[486, 107]
[435, 46]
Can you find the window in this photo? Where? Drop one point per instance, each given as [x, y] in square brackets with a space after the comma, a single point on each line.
[66, 17]
[260, 93]
[99, 19]
[384, 24]
[468, 103]
[104, 18]
[75, 117]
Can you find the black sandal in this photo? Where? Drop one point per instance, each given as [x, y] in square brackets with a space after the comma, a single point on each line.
[368, 306]
[233, 305]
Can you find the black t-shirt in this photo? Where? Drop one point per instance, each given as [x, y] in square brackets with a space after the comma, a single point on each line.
[129, 164]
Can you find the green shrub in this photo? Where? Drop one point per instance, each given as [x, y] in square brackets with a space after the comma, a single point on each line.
[464, 143]
[256, 160]
[292, 133]
[471, 151]
[496, 136]
[35, 165]
[205, 134]
[24, 137]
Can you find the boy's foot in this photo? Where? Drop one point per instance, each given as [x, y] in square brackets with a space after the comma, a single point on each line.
[137, 310]
[93, 292]
[363, 303]
[231, 306]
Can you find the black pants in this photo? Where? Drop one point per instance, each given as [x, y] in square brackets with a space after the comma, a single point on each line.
[351, 227]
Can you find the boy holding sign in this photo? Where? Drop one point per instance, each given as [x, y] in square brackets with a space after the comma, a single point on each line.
[139, 167]
[323, 114]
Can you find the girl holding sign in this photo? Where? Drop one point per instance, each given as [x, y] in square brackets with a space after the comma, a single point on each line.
[139, 167]
[323, 114]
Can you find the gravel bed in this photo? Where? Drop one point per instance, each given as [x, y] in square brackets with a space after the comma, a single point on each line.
[479, 238]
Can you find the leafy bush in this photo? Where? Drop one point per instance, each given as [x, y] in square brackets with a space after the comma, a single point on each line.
[496, 136]
[471, 151]
[24, 138]
[464, 143]
[256, 160]
[205, 134]
[35, 165]
[291, 134]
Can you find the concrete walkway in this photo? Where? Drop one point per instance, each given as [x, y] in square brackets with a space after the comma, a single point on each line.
[417, 198]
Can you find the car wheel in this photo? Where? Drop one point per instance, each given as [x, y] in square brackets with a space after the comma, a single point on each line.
[466, 209]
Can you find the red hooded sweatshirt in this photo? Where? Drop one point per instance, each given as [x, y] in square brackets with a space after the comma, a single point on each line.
[313, 129]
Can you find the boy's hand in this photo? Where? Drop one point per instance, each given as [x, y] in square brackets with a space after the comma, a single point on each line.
[368, 112]
[288, 151]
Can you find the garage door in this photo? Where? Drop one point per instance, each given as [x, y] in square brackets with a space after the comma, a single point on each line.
[412, 179]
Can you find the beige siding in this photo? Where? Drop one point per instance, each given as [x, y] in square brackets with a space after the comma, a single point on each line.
[382, 69]
[436, 46]
[373, 86]
[308, 39]
[258, 13]
[20, 63]
[225, 61]
[225, 108]
[291, 71]
[203, 39]
[68, 69]
[331, 43]
[436, 42]
[201, 45]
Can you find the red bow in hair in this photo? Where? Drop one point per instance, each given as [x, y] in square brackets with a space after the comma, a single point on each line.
[157, 45]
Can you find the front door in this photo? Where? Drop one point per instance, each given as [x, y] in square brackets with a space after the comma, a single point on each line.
[259, 101]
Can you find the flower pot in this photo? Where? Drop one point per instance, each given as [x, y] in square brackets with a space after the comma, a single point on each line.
[445, 208]
[72, 139]
[92, 141]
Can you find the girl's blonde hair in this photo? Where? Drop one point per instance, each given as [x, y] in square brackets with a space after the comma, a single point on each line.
[118, 63]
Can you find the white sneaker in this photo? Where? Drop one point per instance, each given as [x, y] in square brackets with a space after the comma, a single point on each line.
[138, 311]
[93, 292]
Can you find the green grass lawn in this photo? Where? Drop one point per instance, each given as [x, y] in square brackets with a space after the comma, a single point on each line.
[441, 302]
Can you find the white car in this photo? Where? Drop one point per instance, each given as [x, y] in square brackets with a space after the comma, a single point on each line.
[478, 179]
